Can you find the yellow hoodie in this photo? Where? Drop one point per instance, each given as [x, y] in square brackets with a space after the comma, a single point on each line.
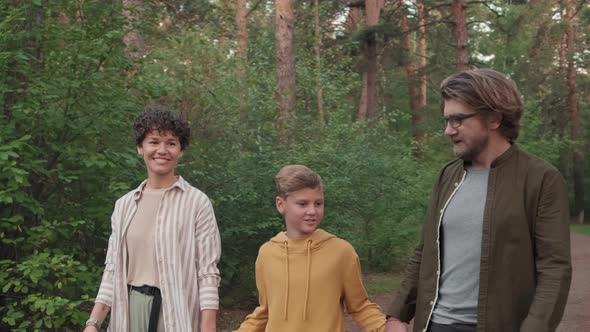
[303, 285]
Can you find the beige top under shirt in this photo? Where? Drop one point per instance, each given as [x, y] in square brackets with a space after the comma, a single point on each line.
[141, 241]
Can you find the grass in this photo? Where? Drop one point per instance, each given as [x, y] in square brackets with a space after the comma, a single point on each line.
[382, 283]
[582, 229]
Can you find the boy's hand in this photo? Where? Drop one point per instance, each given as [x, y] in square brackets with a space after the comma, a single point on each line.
[395, 325]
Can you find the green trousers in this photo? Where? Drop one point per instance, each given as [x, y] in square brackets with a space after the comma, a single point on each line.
[140, 306]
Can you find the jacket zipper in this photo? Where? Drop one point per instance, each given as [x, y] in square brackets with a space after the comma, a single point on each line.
[442, 212]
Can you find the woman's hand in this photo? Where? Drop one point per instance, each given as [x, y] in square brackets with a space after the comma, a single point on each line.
[208, 320]
[99, 313]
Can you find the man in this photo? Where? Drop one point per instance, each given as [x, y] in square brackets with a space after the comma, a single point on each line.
[494, 253]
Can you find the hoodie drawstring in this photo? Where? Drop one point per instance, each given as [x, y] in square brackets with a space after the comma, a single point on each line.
[287, 282]
[307, 279]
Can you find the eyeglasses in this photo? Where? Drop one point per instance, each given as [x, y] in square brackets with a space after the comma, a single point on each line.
[455, 121]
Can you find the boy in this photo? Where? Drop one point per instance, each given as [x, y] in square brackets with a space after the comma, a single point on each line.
[305, 275]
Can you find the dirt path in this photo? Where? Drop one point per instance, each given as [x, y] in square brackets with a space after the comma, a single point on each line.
[577, 310]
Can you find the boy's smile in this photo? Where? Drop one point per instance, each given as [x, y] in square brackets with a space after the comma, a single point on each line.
[303, 211]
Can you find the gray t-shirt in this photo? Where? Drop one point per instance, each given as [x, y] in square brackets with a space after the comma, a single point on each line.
[461, 231]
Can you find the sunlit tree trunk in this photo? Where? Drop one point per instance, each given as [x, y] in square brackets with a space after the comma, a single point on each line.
[242, 56]
[354, 18]
[461, 50]
[575, 118]
[370, 93]
[411, 78]
[563, 62]
[285, 53]
[422, 53]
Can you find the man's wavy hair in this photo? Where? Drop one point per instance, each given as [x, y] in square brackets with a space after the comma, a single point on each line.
[161, 119]
[486, 91]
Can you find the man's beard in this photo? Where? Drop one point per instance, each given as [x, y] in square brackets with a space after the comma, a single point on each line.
[472, 152]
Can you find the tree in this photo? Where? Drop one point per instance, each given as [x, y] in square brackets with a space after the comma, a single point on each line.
[285, 53]
[461, 49]
[575, 118]
[133, 39]
[415, 102]
[422, 53]
[354, 17]
[242, 55]
[370, 93]
[318, 59]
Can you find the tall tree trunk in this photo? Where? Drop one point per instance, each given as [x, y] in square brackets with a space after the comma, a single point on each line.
[422, 53]
[370, 93]
[318, 61]
[411, 78]
[284, 27]
[242, 56]
[353, 19]
[133, 39]
[563, 62]
[575, 119]
[461, 50]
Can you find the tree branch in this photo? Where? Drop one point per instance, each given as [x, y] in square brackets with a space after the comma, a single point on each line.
[439, 5]
[357, 4]
[498, 15]
[478, 21]
[582, 3]
[254, 7]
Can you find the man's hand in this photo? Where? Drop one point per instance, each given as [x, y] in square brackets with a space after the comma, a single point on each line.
[395, 325]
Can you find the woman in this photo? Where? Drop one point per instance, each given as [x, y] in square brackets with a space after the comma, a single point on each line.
[161, 267]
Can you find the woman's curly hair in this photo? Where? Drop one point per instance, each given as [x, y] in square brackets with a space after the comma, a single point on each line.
[159, 118]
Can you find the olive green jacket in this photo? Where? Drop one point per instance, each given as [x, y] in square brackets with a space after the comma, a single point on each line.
[525, 267]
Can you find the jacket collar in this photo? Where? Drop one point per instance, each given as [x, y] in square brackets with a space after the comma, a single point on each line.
[502, 159]
[180, 184]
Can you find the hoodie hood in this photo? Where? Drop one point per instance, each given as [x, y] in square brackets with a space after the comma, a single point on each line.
[316, 241]
[303, 246]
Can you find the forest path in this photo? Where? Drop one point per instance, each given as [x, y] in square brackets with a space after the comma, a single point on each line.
[577, 311]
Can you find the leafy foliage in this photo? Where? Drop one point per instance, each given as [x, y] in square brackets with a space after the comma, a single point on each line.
[65, 113]
[68, 94]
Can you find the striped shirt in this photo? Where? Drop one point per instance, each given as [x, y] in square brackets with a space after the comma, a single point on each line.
[188, 248]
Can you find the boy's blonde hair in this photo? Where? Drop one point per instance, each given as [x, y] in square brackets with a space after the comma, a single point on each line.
[296, 177]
